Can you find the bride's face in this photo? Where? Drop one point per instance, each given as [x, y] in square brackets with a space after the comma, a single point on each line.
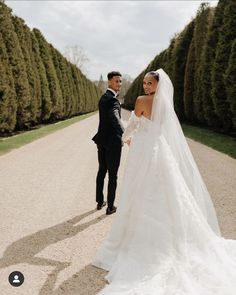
[149, 84]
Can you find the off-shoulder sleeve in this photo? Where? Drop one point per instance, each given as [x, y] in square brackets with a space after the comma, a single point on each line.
[131, 127]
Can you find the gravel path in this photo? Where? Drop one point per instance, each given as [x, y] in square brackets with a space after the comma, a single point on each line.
[49, 227]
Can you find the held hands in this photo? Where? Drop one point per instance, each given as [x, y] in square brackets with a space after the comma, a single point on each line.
[128, 142]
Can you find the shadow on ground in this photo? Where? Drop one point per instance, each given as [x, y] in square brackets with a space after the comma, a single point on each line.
[25, 250]
[88, 281]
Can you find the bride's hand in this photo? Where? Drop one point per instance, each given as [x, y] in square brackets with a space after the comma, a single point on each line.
[128, 142]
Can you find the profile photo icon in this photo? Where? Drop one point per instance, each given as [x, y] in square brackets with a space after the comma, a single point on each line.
[16, 278]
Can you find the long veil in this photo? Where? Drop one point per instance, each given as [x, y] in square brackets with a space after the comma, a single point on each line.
[167, 124]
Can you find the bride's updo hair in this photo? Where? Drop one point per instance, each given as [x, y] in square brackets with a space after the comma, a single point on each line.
[154, 74]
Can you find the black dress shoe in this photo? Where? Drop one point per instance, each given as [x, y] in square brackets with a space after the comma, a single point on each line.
[110, 211]
[99, 206]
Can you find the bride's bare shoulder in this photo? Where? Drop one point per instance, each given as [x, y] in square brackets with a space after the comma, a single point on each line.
[140, 99]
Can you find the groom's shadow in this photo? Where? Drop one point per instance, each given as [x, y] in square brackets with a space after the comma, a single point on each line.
[25, 249]
[88, 281]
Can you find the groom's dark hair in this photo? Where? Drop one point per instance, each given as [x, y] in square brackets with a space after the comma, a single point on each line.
[112, 74]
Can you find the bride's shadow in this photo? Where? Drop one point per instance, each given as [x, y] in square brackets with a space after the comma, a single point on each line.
[25, 249]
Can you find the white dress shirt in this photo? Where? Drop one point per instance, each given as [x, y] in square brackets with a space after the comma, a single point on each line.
[115, 93]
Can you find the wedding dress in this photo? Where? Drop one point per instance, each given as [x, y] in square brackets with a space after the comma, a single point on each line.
[165, 238]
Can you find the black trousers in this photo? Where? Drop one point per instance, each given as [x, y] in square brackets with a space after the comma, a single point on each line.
[109, 160]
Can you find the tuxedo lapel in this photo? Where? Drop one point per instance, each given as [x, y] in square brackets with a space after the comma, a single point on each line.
[110, 93]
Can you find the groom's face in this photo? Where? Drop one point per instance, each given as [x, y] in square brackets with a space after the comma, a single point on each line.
[115, 83]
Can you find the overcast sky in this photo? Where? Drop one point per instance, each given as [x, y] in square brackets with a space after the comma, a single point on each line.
[115, 35]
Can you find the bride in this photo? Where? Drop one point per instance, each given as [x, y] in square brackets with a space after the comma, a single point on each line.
[165, 238]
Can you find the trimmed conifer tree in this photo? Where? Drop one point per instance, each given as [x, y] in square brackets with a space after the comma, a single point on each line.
[170, 56]
[45, 102]
[17, 63]
[82, 105]
[62, 81]
[53, 82]
[180, 57]
[200, 33]
[189, 83]
[75, 80]
[36, 89]
[227, 35]
[230, 83]
[8, 104]
[24, 37]
[72, 88]
[215, 19]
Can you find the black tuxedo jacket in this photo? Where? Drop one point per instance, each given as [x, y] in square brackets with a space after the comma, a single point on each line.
[110, 128]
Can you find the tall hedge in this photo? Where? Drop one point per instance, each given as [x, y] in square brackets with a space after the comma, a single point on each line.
[201, 64]
[200, 34]
[38, 84]
[7, 93]
[18, 67]
[180, 53]
[230, 82]
[227, 35]
[189, 109]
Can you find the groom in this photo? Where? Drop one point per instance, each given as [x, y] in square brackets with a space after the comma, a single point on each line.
[109, 142]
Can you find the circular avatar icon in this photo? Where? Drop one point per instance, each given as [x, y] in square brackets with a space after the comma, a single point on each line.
[16, 278]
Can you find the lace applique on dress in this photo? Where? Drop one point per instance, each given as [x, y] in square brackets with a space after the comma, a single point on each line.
[132, 127]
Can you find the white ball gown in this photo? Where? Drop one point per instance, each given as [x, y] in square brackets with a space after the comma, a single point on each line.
[165, 238]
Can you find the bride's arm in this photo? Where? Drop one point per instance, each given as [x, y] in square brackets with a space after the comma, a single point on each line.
[133, 122]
